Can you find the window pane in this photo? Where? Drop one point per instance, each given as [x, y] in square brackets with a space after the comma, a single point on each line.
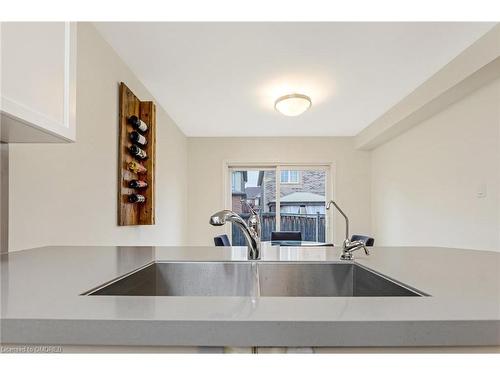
[284, 176]
[257, 189]
[290, 177]
[302, 204]
[237, 181]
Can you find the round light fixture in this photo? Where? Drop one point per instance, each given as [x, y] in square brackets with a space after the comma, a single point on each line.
[292, 104]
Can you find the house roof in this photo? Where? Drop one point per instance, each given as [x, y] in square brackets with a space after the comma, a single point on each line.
[302, 197]
[253, 192]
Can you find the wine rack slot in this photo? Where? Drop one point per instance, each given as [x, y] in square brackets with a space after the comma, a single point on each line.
[137, 143]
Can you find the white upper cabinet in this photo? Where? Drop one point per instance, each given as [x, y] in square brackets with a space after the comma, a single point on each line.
[38, 81]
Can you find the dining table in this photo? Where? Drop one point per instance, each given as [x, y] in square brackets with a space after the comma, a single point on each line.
[296, 243]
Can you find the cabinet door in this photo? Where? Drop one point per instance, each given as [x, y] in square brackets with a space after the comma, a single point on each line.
[38, 70]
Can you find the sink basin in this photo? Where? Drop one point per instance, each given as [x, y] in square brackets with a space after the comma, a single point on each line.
[184, 279]
[267, 279]
[326, 280]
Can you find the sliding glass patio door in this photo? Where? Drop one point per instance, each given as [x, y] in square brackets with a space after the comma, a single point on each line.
[287, 198]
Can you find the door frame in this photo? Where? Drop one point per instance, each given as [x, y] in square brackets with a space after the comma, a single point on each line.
[329, 167]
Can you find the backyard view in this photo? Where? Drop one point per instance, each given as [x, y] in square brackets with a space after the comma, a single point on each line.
[300, 203]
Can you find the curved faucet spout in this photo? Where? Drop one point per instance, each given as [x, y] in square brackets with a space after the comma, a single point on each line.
[343, 214]
[251, 236]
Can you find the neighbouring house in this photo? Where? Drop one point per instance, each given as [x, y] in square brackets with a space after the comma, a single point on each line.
[253, 197]
[301, 192]
[238, 182]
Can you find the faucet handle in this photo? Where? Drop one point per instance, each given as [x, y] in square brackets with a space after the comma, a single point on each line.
[356, 245]
[366, 250]
[350, 247]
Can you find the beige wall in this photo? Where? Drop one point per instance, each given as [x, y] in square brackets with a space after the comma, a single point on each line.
[205, 175]
[4, 197]
[65, 194]
[425, 182]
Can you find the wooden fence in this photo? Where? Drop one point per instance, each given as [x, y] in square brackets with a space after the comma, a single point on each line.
[312, 226]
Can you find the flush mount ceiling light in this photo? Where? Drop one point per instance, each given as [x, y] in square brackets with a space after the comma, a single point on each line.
[292, 104]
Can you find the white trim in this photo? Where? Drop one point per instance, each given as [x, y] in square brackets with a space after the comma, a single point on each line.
[277, 194]
[70, 61]
[271, 164]
[67, 62]
[330, 195]
[226, 196]
[22, 113]
[64, 128]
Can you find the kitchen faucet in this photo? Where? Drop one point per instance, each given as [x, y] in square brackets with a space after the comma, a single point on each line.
[250, 231]
[348, 246]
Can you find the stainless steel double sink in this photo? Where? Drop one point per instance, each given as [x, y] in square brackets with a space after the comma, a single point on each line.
[265, 279]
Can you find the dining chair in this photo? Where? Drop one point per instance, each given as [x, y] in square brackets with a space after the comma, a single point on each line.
[222, 240]
[368, 241]
[286, 236]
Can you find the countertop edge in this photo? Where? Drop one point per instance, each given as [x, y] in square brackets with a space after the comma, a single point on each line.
[251, 333]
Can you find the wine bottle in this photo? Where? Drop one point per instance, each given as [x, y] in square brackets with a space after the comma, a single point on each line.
[137, 123]
[136, 137]
[136, 167]
[138, 152]
[137, 184]
[136, 198]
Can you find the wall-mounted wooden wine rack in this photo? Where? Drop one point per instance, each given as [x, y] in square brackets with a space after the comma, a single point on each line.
[136, 213]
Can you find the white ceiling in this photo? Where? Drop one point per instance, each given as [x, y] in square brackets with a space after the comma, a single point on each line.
[221, 79]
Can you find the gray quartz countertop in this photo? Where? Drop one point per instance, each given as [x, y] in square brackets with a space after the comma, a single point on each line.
[41, 301]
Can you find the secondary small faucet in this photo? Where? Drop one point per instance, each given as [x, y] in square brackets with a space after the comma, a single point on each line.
[348, 246]
[251, 231]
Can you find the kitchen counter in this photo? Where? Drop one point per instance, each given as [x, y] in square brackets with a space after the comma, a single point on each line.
[41, 301]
